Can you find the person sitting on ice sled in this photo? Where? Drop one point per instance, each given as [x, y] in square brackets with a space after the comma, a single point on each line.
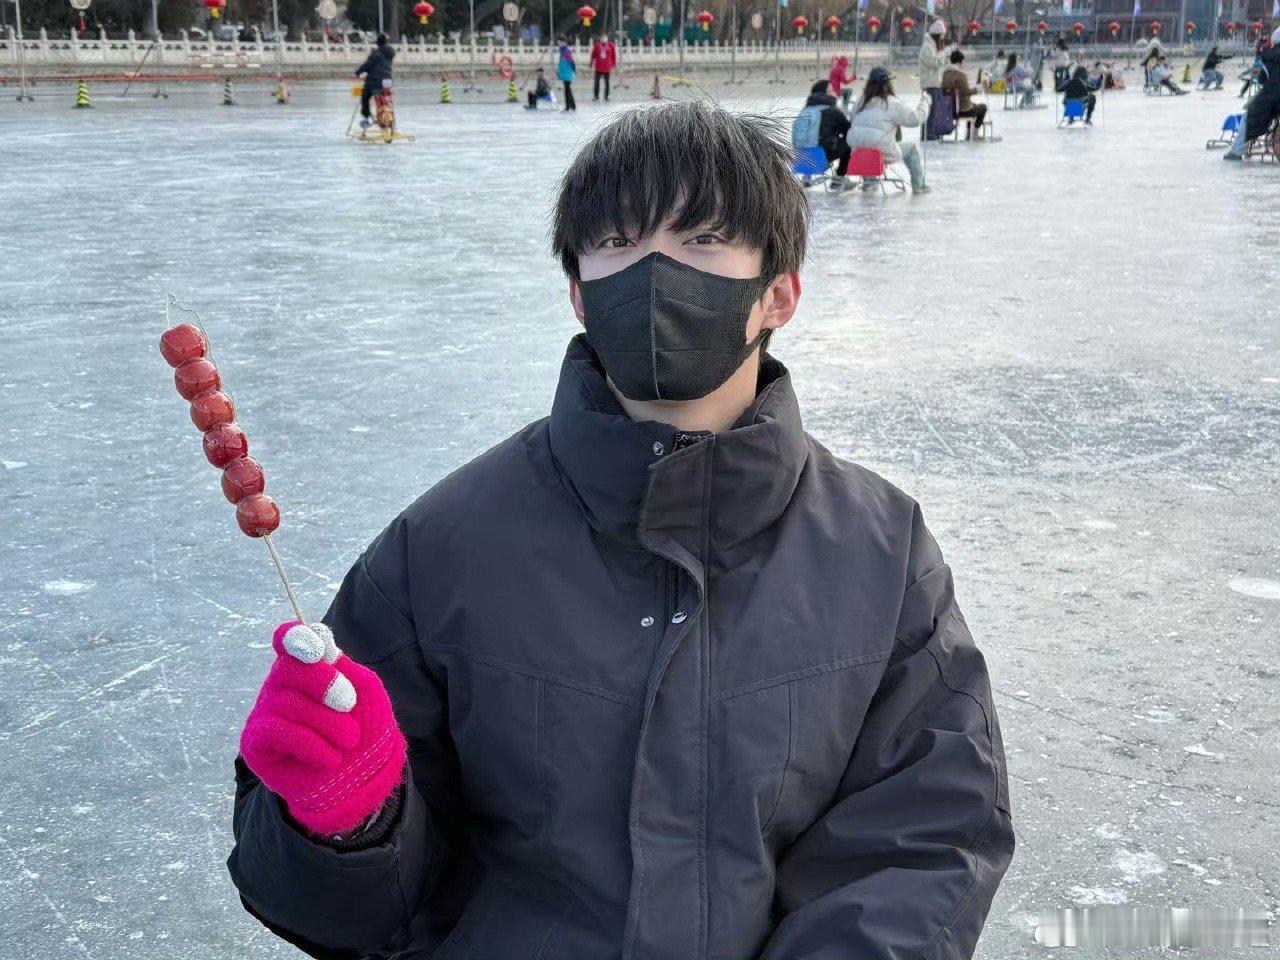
[376, 71]
[657, 676]
[541, 91]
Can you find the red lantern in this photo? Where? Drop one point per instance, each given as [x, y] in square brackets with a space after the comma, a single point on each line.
[1232, 27]
[907, 24]
[1190, 27]
[1042, 27]
[1011, 26]
[215, 7]
[586, 14]
[873, 24]
[1077, 28]
[705, 18]
[422, 10]
[800, 23]
[833, 24]
[1256, 26]
[1114, 27]
[1155, 26]
[974, 27]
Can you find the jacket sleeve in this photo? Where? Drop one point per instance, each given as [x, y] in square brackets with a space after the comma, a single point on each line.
[906, 861]
[364, 67]
[336, 902]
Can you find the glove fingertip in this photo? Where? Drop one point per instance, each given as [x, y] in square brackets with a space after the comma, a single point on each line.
[341, 695]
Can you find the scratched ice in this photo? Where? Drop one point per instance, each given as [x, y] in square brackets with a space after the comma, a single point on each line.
[1067, 353]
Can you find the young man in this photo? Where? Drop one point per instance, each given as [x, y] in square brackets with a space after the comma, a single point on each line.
[821, 123]
[604, 57]
[956, 80]
[672, 681]
[376, 71]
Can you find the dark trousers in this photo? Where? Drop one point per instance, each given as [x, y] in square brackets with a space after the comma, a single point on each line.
[595, 93]
[979, 114]
[533, 100]
[1090, 102]
[840, 151]
[569, 102]
[366, 94]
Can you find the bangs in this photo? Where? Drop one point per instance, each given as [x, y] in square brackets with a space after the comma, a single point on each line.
[690, 165]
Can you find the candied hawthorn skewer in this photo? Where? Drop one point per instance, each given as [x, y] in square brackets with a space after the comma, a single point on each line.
[186, 349]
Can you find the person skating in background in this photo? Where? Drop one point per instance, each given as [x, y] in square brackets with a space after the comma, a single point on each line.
[996, 69]
[823, 124]
[1255, 75]
[954, 79]
[604, 57]
[933, 60]
[376, 71]
[877, 117]
[1018, 78]
[840, 77]
[1060, 62]
[1078, 87]
[1211, 77]
[1264, 108]
[1161, 75]
[541, 90]
[566, 72]
[658, 676]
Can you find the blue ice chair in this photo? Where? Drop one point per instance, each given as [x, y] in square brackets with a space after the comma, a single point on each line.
[1228, 133]
[811, 166]
[1072, 110]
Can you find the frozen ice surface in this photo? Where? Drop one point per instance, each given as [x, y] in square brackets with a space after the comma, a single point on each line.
[1066, 352]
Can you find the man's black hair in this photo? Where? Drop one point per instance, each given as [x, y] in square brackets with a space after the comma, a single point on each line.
[957, 56]
[382, 39]
[819, 86]
[693, 165]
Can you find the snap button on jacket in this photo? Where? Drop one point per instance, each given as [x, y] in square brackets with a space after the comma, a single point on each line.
[720, 704]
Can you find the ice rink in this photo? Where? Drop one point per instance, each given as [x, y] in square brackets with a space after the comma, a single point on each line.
[1067, 353]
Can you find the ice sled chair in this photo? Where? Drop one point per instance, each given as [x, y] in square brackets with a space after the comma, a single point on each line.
[811, 166]
[1228, 132]
[1265, 147]
[1151, 86]
[868, 163]
[1072, 110]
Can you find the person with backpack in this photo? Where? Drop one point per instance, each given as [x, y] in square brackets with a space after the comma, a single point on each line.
[934, 51]
[823, 124]
[877, 121]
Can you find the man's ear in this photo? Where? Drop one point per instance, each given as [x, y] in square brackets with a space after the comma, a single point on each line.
[781, 298]
[575, 297]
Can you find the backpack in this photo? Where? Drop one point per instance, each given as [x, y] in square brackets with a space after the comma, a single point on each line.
[805, 127]
[942, 116]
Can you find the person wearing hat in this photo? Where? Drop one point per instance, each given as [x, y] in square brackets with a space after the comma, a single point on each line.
[934, 51]
[1264, 108]
[875, 121]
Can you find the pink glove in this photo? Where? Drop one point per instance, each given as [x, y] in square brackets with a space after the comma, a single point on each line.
[322, 735]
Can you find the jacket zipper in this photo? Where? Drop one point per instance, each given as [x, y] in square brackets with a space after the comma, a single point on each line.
[671, 582]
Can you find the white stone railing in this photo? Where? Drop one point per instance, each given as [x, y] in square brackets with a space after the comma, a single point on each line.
[436, 51]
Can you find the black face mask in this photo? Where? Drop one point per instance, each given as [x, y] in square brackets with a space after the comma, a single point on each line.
[667, 331]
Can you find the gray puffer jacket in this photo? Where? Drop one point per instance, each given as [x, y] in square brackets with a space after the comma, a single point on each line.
[667, 695]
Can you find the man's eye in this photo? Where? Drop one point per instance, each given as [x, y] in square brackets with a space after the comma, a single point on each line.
[705, 238]
[614, 243]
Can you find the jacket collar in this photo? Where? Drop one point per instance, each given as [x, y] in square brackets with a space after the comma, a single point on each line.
[633, 484]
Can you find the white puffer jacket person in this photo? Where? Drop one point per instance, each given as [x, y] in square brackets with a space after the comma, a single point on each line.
[875, 116]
